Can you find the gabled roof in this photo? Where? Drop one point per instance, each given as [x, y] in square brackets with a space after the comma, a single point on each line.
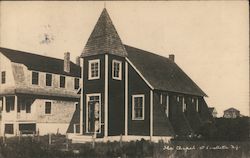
[162, 73]
[104, 38]
[231, 109]
[40, 63]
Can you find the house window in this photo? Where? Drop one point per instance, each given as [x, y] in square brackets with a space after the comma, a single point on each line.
[20, 104]
[35, 78]
[62, 81]
[27, 128]
[28, 107]
[47, 107]
[76, 83]
[197, 105]
[3, 78]
[117, 70]
[138, 107]
[9, 129]
[10, 102]
[161, 99]
[94, 69]
[24, 104]
[184, 105]
[167, 106]
[48, 79]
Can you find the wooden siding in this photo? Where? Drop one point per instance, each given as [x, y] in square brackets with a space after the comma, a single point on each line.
[74, 120]
[61, 111]
[19, 80]
[178, 122]
[93, 86]
[204, 113]
[161, 123]
[116, 116]
[5, 65]
[138, 86]
[177, 118]
[192, 115]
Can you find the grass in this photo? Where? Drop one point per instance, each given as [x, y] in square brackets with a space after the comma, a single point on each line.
[60, 147]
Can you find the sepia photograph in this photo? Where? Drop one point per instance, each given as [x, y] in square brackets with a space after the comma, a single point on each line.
[124, 79]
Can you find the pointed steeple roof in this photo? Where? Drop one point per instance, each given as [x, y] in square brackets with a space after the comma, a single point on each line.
[104, 39]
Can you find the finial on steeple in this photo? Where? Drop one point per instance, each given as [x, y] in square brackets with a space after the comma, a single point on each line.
[105, 4]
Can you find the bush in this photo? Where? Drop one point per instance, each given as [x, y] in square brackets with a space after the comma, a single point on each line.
[225, 129]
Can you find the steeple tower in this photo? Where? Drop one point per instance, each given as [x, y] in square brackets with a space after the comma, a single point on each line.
[104, 39]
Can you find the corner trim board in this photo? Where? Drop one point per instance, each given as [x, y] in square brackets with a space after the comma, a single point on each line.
[106, 98]
[81, 100]
[126, 98]
[151, 113]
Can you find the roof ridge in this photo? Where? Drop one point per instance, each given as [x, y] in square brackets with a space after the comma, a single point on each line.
[39, 62]
[21, 51]
[147, 51]
[232, 108]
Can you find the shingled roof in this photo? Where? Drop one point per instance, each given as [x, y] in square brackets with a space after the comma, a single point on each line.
[104, 38]
[231, 109]
[162, 73]
[41, 63]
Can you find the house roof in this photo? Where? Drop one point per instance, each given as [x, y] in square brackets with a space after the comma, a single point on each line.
[162, 73]
[231, 109]
[40, 63]
[39, 91]
[104, 39]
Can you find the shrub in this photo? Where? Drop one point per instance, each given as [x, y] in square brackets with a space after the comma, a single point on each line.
[224, 129]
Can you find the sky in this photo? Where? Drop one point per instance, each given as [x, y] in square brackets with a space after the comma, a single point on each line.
[210, 39]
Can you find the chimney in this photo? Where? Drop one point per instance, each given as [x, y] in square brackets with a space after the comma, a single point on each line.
[67, 62]
[78, 60]
[171, 57]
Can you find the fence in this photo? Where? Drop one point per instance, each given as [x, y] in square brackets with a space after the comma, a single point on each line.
[53, 145]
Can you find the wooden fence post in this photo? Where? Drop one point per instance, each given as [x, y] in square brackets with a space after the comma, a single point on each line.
[33, 136]
[4, 137]
[19, 136]
[67, 142]
[121, 140]
[49, 138]
[38, 135]
[93, 140]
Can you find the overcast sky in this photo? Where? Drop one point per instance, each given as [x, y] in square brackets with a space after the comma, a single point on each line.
[209, 39]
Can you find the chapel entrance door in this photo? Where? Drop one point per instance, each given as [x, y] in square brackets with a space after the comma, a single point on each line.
[93, 114]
